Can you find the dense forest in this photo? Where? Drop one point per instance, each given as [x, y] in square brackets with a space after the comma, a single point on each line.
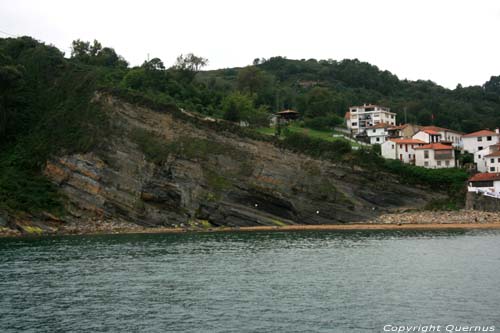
[45, 101]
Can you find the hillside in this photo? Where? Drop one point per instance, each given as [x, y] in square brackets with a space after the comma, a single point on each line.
[89, 139]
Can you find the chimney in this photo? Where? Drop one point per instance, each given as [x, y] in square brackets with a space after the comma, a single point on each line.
[497, 130]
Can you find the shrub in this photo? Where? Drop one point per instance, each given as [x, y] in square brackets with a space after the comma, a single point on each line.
[325, 123]
[315, 147]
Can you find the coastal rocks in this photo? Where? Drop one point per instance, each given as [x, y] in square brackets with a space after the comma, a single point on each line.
[181, 172]
[161, 193]
[439, 217]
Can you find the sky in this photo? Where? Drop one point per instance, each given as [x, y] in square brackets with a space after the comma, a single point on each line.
[446, 41]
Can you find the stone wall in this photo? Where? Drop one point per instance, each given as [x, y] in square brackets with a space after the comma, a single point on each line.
[481, 202]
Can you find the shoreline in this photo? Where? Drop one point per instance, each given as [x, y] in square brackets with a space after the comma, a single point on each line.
[416, 220]
[296, 227]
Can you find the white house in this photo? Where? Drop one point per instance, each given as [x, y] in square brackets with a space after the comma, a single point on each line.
[447, 135]
[428, 136]
[435, 156]
[401, 149]
[492, 162]
[358, 118]
[479, 140]
[485, 183]
[377, 134]
[483, 163]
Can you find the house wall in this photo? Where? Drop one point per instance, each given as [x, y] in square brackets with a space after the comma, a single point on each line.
[388, 150]
[396, 151]
[422, 136]
[453, 137]
[474, 144]
[491, 164]
[377, 135]
[431, 162]
[378, 115]
[409, 131]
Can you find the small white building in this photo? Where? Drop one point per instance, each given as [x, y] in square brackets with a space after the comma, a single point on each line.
[358, 118]
[377, 134]
[483, 164]
[488, 183]
[435, 156]
[401, 149]
[447, 135]
[479, 140]
[428, 136]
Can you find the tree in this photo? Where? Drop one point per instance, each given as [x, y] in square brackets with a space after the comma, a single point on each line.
[95, 54]
[188, 66]
[240, 107]
[154, 64]
[319, 102]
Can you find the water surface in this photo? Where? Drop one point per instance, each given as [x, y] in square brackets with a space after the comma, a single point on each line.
[304, 281]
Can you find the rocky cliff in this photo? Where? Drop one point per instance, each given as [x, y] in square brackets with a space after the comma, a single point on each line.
[155, 169]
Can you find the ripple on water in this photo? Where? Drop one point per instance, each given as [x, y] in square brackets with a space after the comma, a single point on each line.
[250, 282]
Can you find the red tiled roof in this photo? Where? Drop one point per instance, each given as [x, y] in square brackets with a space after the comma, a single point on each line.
[480, 133]
[478, 177]
[408, 141]
[440, 129]
[431, 132]
[497, 153]
[347, 115]
[436, 146]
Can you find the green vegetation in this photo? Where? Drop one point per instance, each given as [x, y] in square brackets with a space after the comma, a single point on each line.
[46, 109]
[316, 147]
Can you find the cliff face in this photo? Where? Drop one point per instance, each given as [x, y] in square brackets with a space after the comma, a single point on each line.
[155, 169]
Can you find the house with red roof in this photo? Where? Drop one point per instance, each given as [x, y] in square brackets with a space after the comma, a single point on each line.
[474, 142]
[486, 183]
[401, 149]
[435, 156]
[447, 135]
[427, 135]
[377, 134]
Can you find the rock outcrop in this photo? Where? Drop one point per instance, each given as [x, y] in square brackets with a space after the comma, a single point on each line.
[157, 170]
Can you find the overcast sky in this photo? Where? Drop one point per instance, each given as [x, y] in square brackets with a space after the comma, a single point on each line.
[446, 41]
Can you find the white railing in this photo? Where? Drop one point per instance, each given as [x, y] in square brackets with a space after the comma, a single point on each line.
[488, 193]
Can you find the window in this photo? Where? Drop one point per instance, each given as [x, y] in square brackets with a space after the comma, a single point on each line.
[392, 146]
[400, 157]
[392, 116]
[479, 139]
[478, 156]
[354, 124]
[426, 163]
[439, 163]
[401, 146]
[378, 139]
[426, 154]
[488, 138]
[492, 160]
[447, 163]
[499, 160]
[374, 130]
[480, 148]
[492, 169]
